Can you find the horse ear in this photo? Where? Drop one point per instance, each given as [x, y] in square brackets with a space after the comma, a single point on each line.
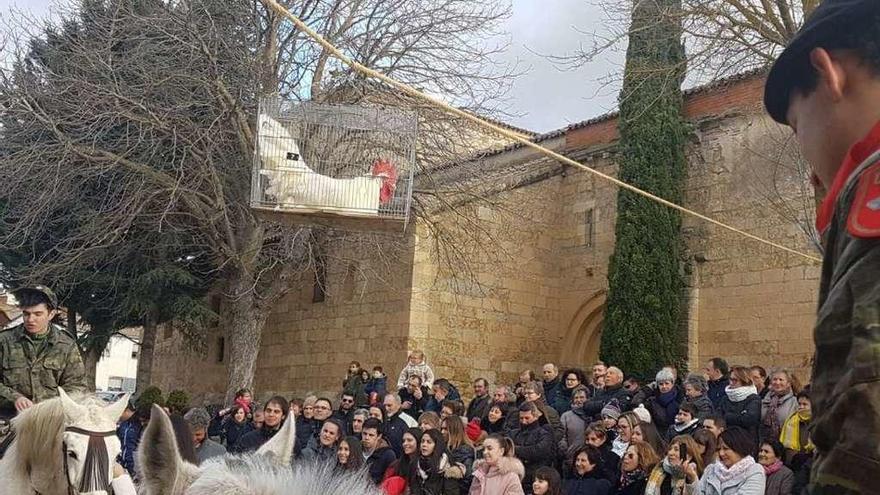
[159, 463]
[114, 411]
[71, 409]
[280, 447]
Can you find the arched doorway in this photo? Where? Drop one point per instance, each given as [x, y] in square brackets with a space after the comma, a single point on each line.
[580, 346]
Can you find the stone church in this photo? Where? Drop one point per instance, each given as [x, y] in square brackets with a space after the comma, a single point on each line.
[491, 286]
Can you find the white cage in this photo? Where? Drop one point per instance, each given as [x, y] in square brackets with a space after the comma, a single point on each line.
[316, 162]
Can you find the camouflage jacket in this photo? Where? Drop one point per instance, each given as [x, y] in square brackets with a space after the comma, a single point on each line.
[58, 364]
[846, 373]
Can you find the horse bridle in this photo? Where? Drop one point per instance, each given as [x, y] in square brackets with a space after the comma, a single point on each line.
[97, 446]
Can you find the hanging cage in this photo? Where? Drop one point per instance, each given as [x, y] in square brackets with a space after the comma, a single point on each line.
[341, 165]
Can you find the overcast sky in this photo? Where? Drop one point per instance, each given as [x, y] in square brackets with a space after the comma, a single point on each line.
[545, 97]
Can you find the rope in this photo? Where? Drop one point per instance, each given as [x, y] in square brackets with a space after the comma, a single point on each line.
[513, 136]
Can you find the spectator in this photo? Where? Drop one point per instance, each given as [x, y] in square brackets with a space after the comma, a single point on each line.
[663, 404]
[461, 450]
[442, 390]
[625, 425]
[795, 435]
[397, 476]
[245, 398]
[498, 472]
[681, 465]
[377, 387]
[414, 397]
[535, 445]
[547, 482]
[534, 393]
[741, 406]
[695, 390]
[475, 434]
[610, 414]
[345, 413]
[274, 413]
[354, 384]
[647, 432]
[396, 423]
[358, 419]
[449, 408]
[184, 437]
[780, 479]
[736, 472]
[778, 405]
[350, 454]
[129, 432]
[496, 418]
[479, 405]
[715, 424]
[574, 422]
[198, 420]
[296, 407]
[759, 380]
[526, 377]
[429, 421]
[613, 391]
[432, 474]
[572, 379]
[259, 419]
[231, 426]
[552, 382]
[306, 425]
[706, 446]
[686, 421]
[635, 386]
[598, 381]
[321, 412]
[717, 371]
[378, 412]
[416, 366]
[324, 448]
[597, 436]
[379, 455]
[585, 477]
[638, 460]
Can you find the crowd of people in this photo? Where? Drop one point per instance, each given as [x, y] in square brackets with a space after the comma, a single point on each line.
[729, 430]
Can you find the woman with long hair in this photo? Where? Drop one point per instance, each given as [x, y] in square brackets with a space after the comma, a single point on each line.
[232, 427]
[461, 449]
[625, 425]
[706, 446]
[396, 479]
[670, 476]
[638, 460]
[429, 420]
[349, 454]
[499, 472]
[647, 432]
[431, 474]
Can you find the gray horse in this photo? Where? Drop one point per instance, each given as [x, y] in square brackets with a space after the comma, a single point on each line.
[266, 472]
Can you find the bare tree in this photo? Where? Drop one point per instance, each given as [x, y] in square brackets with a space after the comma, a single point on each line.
[137, 116]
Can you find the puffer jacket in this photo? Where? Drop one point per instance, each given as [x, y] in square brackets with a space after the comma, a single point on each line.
[504, 478]
[746, 414]
[703, 405]
[749, 480]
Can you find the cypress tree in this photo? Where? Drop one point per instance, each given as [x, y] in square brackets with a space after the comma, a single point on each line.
[643, 321]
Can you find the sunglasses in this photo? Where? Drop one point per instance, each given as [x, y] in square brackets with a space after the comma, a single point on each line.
[348, 401]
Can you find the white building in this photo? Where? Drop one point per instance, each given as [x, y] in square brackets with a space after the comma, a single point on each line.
[117, 368]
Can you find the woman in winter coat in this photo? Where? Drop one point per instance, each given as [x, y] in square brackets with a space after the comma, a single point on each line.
[496, 418]
[663, 404]
[434, 473]
[461, 450]
[670, 476]
[638, 460]
[741, 406]
[498, 472]
[778, 405]
[609, 466]
[735, 472]
[695, 389]
[571, 380]
[231, 427]
[780, 479]
[585, 477]
[396, 479]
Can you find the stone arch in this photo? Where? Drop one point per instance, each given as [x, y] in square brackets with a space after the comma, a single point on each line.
[580, 345]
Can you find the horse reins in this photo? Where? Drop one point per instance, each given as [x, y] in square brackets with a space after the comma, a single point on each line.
[96, 464]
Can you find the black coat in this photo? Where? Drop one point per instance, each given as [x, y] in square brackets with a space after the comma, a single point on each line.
[465, 456]
[745, 414]
[417, 406]
[552, 390]
[395, 427]
[535, 447]
[435, 484]
[618, 393]
[717, 391]
[609, 466]
[478, 407]
[253, 440]
[590, 484]
[379, 461]
[637, 488]
[305, 430]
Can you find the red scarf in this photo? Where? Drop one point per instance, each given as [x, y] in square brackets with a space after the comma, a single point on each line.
[857, 154]
[246, 405]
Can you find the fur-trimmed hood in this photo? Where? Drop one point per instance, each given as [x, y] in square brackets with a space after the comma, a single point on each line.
[505, 465]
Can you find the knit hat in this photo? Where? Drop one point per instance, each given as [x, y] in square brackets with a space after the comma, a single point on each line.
[611, 410]
[643, 414]
[473, 430]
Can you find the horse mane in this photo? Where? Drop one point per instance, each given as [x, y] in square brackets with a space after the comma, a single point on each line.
[38, 430]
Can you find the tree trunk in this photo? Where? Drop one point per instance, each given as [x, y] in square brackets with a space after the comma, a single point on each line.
[242, 323]
[90, 360]
[145, 356]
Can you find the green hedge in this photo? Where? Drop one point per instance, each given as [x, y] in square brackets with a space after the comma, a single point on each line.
[643, 327]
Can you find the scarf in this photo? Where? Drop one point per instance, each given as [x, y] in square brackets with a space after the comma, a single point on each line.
[724, 474]
[630, 477]
[660, 473]
[772, 417]
[244, 404]
[579, 412]
[772, 468]
[791, 432]
[740, 394]
[684, 426]
[426, 469]
[619, 447]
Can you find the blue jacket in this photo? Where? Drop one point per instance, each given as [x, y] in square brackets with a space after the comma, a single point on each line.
[717, 392]
[377, 385]
[129, 433]
[437, 405]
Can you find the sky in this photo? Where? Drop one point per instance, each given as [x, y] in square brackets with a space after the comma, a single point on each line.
[544, 97]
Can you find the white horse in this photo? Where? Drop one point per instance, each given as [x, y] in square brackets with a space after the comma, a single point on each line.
[266, 472]
[62, 447]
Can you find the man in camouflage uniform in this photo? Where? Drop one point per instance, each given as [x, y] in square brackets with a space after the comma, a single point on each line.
[37, 356]
[826, 86]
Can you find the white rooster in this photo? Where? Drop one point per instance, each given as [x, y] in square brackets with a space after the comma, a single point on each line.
[293, 184]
